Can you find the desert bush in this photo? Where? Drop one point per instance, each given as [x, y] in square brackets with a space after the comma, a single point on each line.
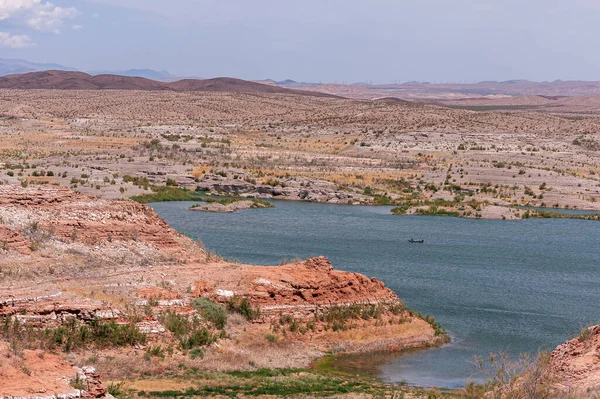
[118, 390]
[228, 201]
[528, 377]
[244, 307]
[78, 383]
[36, 235]
[586, 334]
[338, 317]
[214, 313]
[154, 351]
[190, 332]
[72, 335]
[164, 193]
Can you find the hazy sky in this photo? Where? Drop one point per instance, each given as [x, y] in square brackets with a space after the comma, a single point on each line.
[313, 40]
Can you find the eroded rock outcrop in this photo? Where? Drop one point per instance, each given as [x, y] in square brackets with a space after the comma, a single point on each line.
[76, 217]
[289, 188]
[231, 207]
[13, 241]
[576, 363]
[313, 282]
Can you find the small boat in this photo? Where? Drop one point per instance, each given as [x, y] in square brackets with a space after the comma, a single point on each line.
[413, 241]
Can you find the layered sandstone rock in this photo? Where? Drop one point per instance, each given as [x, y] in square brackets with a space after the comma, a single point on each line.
[13, 241]
[74, 217]
[80, 224]
[313, 282]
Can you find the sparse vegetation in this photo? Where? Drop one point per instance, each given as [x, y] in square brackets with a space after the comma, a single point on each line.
[214, 313]
[243, 306]
[190, 332]
[164, 193]
[71, 335]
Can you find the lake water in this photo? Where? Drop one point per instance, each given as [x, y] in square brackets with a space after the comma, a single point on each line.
[495, 286]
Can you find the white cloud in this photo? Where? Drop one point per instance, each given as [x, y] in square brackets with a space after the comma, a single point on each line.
[76, 27]
[39, 15]
[15, 41]
[49, 18]
[11, 7]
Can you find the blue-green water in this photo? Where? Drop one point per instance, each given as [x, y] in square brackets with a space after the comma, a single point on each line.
[495, 286]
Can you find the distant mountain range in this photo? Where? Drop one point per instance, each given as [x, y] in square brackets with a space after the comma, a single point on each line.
[15, 66]
[140, 73]
[73, 80]
[292, 84]
[163, 80]
[425, 92]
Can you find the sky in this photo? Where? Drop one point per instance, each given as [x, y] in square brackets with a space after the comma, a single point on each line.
[342, 41]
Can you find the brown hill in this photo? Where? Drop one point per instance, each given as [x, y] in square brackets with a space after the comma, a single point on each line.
[236, 86]
[390, 100]
[66, 80]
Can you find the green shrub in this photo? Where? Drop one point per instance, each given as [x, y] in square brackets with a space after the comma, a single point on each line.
[190, 332]
[118, 390]
[243, 307]
[78, 383]
[382, 200]
[178, 324]
[198, 337]
[196, 353]
[154, 351]
[214, 313]
[73, 335]
[271, 337]
[164, 193]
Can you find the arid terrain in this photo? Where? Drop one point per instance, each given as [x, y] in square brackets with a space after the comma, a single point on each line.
[426, 91]
[97, 287]
[475, 158]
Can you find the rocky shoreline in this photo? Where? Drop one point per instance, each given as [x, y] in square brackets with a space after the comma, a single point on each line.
[295, 189]
[230, 205]
[299, 189]
[97, 260]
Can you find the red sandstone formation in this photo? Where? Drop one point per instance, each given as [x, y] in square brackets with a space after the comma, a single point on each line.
[313, 282]
[75, 217]
[13, 241]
